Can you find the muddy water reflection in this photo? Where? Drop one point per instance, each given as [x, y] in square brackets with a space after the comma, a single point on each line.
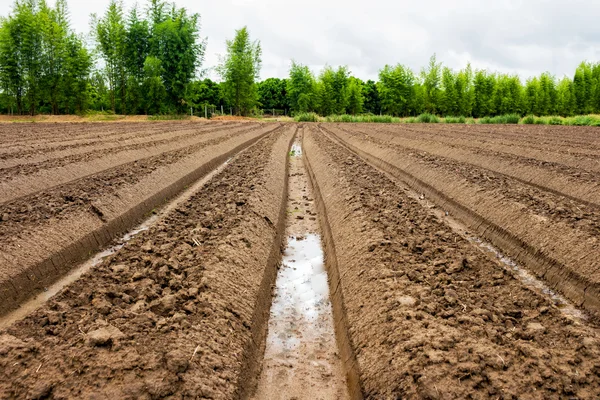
[301, 309]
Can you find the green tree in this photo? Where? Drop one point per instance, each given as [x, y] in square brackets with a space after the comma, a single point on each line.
[355, 96]
[153, 86]
[204, 93]
[431, 77]
[43, 64]
[240, 69]
[272, 94]
[175, 41]
[371, 98]
[508, 95]
[332, 90]
[565, 97]
[465, 91]
[396, 90]
[301, 89]
[484, 86]
[449, 98]
[110, 35]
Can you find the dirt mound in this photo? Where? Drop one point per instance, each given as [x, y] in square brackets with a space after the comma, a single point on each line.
[429, 315]
[176, 311]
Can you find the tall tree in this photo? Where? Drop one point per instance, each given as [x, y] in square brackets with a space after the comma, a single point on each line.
[240, 69]
[110, 35]
[396, 89]
[176, 42]
[355, 99]
[371, 98]
[431, 77]
[301, 88]
[332, 90]
[44, 66]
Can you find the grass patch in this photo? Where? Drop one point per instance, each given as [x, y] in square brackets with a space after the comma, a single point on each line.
[501, 119]
[583, 120]
[168, 117]
[455, 120]
[306, 117]
[427, 118]
[367, 118]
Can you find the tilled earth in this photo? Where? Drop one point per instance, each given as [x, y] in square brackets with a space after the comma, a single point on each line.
[74, 208]
[430, 316]
[170, 313]
[420, 311]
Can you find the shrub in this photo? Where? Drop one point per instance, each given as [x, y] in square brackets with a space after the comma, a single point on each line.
[501, 119]
[455, 120]
[529, 120]
[306, 117]
[427, 118]
[555, 121]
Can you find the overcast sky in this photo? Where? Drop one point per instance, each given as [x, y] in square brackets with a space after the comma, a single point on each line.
[525, 37]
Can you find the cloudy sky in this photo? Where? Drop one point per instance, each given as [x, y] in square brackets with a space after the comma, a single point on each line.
[525, 37]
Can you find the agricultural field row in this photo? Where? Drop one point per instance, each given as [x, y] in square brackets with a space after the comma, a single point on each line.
[459, 261]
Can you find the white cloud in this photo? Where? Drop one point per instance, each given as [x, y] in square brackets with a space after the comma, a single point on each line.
[525, 37]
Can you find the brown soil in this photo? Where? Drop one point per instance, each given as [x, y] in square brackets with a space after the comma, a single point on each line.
[301, 357]
[174, 313]
[556, 249]
[430, 316]
[420, 308]
[45, 233]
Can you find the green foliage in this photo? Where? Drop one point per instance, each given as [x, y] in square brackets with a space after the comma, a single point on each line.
[501, 119]
[239, 69]
[370, 94]
[583, 120]
[385, 119]
[332, 91]
[203, 93]
[272, 94]
[431, 78]
[167, 43]
[396, 90]
[529, 120]
[427, 118]
[44, 66]
[306, 117]
[301, 89]
[355, 99]
[455, 120]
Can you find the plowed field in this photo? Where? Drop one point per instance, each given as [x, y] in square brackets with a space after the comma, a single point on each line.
[462, 261]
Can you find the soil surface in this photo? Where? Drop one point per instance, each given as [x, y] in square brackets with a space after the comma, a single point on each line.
[401, 218]
[553, 234]
[45, 233]
[301, 356]
[430, 316]
[172, 313]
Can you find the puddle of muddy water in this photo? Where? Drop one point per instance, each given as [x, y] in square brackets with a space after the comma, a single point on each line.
[302, 296]
[77, 272]
[301, 358]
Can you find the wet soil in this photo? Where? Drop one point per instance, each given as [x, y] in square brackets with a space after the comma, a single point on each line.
[301, 357]
[422, 306]
[172, 313]
[430, 316]
[554, 237]
[45, 234]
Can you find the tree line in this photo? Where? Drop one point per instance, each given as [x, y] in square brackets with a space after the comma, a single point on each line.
[148, 61]
[440, 90]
